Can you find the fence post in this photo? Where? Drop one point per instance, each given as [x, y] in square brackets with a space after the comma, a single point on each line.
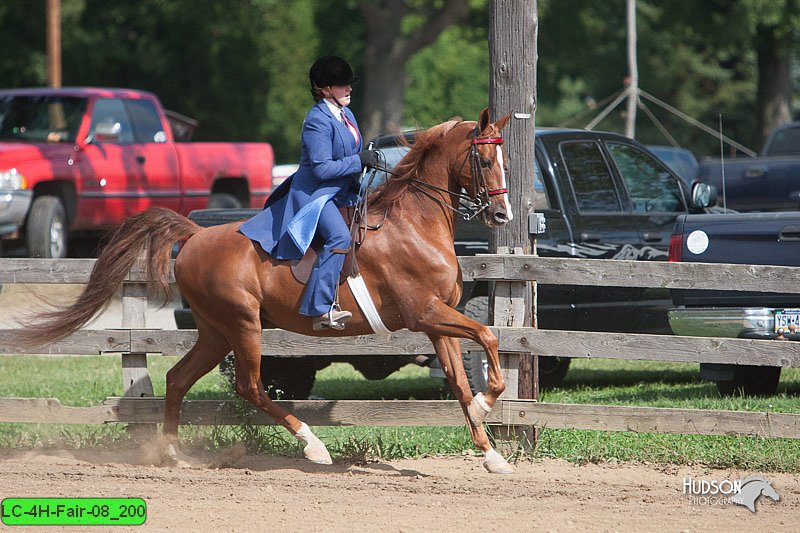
[510, 300]
[513, 28]
[136, 380]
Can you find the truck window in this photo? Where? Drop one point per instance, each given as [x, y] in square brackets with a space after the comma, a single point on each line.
[649, 183]
[40, 118]
[110, 115]
[147, 126]
[590, 178]
[540, 200]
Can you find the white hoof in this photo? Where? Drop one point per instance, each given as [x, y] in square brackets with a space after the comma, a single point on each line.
[478, 409]
[495, 464]
[317, 453]
[315, 450]
[173, 458]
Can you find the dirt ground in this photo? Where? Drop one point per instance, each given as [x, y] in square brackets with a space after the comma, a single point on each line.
[257, 493]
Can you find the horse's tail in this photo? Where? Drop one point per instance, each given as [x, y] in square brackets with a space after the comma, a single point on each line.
[153, 231]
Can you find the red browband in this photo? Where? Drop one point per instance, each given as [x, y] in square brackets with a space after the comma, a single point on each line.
[490, 140]
[495, 192]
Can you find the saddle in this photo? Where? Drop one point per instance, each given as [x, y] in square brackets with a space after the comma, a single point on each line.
[301, 270]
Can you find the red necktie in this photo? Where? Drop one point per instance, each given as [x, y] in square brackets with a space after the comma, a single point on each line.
[350, 126]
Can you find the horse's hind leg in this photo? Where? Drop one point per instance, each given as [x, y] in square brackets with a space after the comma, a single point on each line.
[206, 353]
[448, 350]
[247, 352]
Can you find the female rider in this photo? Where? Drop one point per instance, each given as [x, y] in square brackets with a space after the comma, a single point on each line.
[307, 204]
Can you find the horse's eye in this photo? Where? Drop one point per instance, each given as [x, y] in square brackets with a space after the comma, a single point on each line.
[486, 163]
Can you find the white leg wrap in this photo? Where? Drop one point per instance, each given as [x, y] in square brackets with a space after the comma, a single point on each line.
[494, 463]
[478, 409]
[315, 450]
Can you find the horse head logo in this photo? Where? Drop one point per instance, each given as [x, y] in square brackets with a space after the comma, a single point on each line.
[752, 488]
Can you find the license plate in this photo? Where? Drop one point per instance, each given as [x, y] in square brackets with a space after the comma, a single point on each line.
[785, 318]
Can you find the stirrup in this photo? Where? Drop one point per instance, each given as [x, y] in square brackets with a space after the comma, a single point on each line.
[332, 319]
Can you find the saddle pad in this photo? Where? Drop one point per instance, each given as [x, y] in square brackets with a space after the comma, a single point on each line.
[301, 270]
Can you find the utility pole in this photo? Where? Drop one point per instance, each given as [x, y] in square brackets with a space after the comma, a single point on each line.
[54, 43]
[632, 89]
[512, 89]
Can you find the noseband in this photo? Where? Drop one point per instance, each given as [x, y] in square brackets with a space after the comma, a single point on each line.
[482, 195]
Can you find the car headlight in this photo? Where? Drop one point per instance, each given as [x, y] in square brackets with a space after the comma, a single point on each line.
[11, 179]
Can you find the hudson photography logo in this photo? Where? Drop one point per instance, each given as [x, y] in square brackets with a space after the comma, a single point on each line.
[745, 491]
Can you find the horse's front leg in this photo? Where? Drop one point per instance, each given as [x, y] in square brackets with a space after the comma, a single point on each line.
[441, 319]
[448, 350]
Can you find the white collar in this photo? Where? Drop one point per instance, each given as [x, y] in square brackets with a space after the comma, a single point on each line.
[336, 111]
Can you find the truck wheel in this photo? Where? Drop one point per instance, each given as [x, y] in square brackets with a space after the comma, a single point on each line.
[551, 369]
[223, 200]
[752, 380]
[288, 378]
[46, 229]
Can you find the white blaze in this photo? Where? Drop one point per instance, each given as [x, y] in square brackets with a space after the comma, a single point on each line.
[504, 186]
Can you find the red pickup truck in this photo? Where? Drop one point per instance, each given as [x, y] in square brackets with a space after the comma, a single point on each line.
[74, 162]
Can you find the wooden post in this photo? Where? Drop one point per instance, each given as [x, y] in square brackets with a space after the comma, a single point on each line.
[54, 43]
[512, 88]
[136, 380]
[135, 377]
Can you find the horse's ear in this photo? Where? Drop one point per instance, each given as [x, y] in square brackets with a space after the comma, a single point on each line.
[483, 120]
[500, 124]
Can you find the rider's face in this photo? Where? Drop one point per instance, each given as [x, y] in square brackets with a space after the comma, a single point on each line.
[340, 92]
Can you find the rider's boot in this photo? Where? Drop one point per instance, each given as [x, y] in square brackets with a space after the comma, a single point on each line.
[333, 319]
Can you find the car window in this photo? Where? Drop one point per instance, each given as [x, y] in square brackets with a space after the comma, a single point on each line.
[784, 142]
[649, 183]
[590, 177]
[110, 116]
[147, 126]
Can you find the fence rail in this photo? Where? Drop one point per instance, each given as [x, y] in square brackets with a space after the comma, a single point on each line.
[133, 340]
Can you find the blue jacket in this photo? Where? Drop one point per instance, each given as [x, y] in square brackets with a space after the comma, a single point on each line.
[329, 170]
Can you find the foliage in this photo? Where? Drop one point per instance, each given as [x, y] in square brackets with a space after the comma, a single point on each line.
[241, 67]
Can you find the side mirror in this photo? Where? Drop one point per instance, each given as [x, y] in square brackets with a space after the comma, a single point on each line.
[107, 132]
[703, 195]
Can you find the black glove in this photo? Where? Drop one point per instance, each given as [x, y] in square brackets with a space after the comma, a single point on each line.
[369, 158]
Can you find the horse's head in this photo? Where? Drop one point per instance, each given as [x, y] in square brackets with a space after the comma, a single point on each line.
[485, 179]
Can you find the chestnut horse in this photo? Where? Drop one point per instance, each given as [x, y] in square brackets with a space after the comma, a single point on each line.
[236, 290]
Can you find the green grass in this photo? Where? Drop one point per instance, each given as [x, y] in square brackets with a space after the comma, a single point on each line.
[84, 381]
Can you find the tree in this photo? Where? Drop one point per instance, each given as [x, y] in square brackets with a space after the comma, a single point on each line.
[774, 27]
[448, 78]
[395, 30]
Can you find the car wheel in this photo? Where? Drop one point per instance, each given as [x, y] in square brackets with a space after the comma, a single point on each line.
[46, 229]
[751, 380]
[551, 369]
[223, 200]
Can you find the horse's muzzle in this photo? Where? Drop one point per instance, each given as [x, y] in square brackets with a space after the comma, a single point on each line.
[499, 217]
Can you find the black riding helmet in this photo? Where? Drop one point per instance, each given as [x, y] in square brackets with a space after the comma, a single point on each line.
[330, 70]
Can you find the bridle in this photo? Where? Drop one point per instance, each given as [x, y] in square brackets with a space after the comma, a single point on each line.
[474, 206]
[479, 202]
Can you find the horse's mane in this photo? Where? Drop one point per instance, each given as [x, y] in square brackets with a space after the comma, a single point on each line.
[425, 143]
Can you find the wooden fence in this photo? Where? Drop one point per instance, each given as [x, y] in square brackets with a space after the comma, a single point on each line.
[133, 341]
